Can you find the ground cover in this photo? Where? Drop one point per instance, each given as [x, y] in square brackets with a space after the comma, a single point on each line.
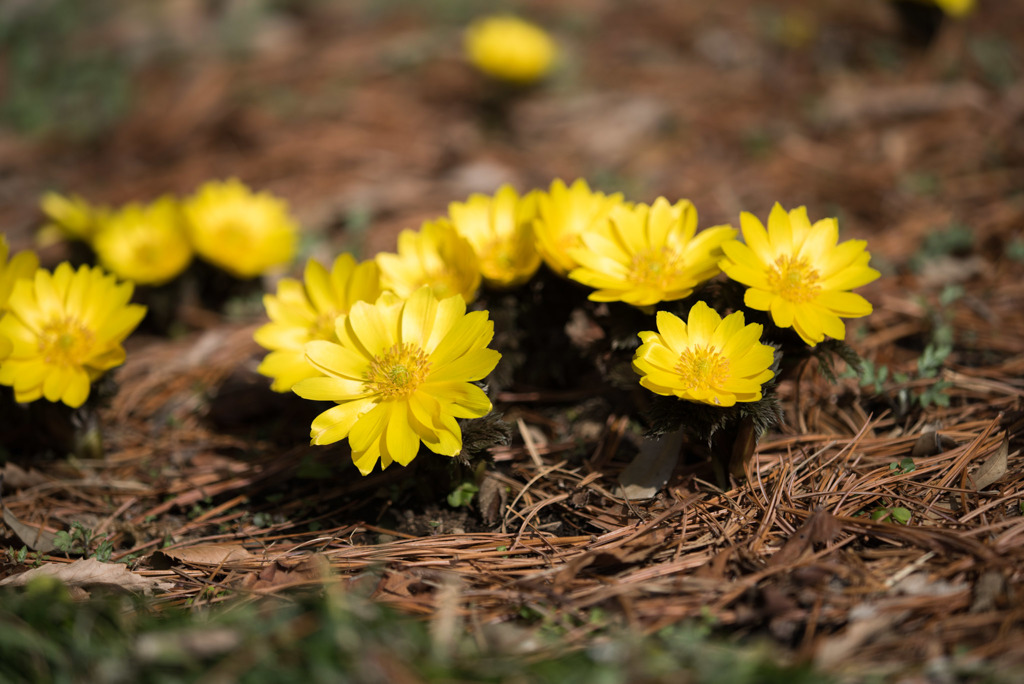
[877, 530]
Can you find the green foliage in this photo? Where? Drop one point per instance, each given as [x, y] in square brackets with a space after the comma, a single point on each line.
[1015, 250]
[957, 239]
[55, 81]
[929, 364]
[338, 636]
[462, 495]
[904, 466]
[997, 59]
[896, 514]
[79, 541]
[828, 351]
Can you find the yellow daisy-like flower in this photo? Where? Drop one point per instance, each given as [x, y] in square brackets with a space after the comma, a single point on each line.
[242, 232]
[435, 255]
[649, 254]
[144, 244]
[510, 49]
[21, 266]
[500, 228]
[800, 273]
[69, 217]
[709, 359]
[563, 214]
[401, 374]
[66, 329]
[301, 312]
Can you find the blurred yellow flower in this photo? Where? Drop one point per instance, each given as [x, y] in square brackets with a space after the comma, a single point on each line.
[798, 272]
[242, 232]
[21, 266]
[707, 359]
[437, 256]
[563, 214]
[649, 254]
[66, 329]
[301, 312]
[145, 244]
[500, 228]
[510, 49]
[402, 373]
[69, 217]
[954, 8]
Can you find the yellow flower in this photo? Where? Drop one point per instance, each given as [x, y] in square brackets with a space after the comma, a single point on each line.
[563, 214]
[301, 312]
[437, 256]
[501, 232]
[401, 374]
[144, 244]
[954, 8]
[649, 254]
[66, 329]
[798, 272]
[69, 217]
[242, 232]
[510, 49]
[21, 266]
[707, 359]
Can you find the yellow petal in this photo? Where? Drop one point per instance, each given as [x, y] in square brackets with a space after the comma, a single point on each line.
[322, 388]
[673, 331]
[402, 442]
[459, 399]
[334, 359]
[474, 365]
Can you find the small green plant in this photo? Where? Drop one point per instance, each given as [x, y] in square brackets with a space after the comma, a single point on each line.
[463, 495]
[904, 466]
[79, 541]
[957, 239]
[896, 514]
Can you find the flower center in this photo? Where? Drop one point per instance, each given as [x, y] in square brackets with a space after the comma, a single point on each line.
[702, 368]
[146, 253]
[397, 372]
[497, 258]
[794, 279]
[655, 267]
[66, 342]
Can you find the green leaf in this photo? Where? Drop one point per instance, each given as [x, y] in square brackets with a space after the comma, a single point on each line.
[463, 495]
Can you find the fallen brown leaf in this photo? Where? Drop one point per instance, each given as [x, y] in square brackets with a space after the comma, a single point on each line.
[200, 554]
[820, 528]
[282, 573]
[32, 536]
[91, 574]
[994, 467]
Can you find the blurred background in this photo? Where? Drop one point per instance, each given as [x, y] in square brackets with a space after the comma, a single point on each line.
[905, 122]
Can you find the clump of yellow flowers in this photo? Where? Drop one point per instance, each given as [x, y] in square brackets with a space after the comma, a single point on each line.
[244, 233]
[510, 49]
[395, 342]
[402, 343]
